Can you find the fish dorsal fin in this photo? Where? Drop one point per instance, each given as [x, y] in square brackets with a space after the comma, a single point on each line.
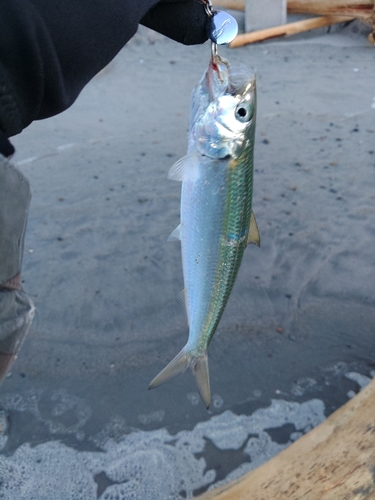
[253, 235]
[200, 371]
[176, 234]
[186, 168]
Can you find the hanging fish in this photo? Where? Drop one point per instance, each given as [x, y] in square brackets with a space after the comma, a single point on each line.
[217, 222]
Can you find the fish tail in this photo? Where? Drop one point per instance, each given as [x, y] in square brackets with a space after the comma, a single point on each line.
[187, 359]
[202, 377]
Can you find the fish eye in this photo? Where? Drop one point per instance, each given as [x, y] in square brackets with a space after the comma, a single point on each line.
[244, 111]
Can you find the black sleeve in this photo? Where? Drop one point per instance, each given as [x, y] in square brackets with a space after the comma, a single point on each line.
[50, 49]
[183, 21]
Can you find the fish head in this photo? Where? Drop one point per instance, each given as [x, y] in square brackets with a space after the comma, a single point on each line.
[226, 125]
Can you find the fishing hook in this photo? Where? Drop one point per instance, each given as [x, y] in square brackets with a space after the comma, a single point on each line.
[210, 12]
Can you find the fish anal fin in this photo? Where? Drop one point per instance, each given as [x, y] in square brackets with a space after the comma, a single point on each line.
[186, 168]
[176, 234]
[202, 378]
[253, 234]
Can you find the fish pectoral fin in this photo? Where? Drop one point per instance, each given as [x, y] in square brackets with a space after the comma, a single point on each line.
[186, 168]
[202, 378]
[176, 234]
[253, 234]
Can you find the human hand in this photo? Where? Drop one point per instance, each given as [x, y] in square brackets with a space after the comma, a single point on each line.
[181, 20]
[50, 50]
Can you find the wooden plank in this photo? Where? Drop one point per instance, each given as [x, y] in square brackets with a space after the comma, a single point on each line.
[287, 29]
[361, 9]
[230, 4]
[334, 461]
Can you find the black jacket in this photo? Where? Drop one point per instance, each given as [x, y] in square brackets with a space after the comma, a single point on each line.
[50, 49]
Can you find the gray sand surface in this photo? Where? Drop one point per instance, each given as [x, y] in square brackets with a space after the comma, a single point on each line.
[297, 337]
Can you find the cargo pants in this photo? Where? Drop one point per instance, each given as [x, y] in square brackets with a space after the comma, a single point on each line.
[16, 308]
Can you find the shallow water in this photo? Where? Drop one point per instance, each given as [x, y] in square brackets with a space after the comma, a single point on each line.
[297, 335]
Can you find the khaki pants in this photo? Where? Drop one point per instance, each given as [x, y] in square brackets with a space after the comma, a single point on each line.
[16, 309]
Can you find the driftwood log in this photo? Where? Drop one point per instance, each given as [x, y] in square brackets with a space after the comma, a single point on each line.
[362, 9]
[334, 461]
[230, 4]
[287, 29]
[351, 9]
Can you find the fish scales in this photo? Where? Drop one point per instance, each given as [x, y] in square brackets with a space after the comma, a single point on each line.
[216, 208]
[228, 220]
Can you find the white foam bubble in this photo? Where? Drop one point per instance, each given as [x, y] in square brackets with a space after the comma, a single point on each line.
[360, 379]
[27, 402]
[47, 471]
[128, 491]
[3, 429]
[152, 465]
[303, 385]
[217, 401]
[156, 416]
[193, 397]
[62, 402]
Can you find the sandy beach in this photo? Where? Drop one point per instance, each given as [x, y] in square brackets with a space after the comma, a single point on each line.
[297, 337]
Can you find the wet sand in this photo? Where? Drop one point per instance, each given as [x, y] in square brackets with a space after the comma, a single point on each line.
[299, 326]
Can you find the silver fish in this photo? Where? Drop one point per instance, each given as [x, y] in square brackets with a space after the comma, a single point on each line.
[217, 222]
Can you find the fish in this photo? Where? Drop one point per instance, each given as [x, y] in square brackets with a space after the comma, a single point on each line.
[216, 218]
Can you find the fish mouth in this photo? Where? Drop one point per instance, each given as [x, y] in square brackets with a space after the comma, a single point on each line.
[217, 77]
